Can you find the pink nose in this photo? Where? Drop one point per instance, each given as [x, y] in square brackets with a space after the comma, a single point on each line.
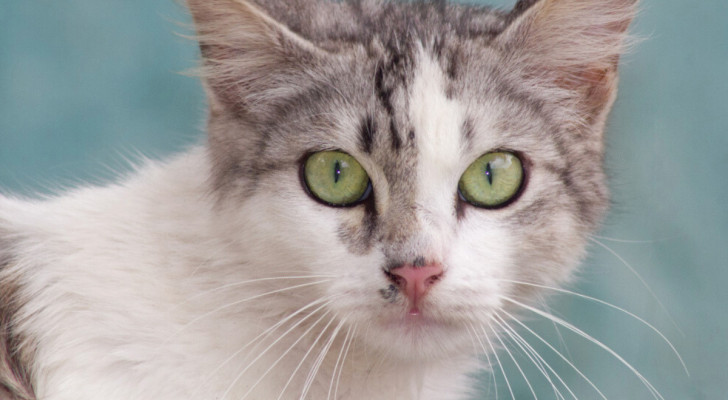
[415, 281]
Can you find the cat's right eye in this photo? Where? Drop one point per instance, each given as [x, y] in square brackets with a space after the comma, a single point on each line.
[336, 179]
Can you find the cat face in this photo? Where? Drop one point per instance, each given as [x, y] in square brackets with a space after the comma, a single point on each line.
[413, 100]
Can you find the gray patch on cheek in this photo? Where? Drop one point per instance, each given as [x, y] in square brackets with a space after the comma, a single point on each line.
[390, 293]
[360, 236]
[536, 214]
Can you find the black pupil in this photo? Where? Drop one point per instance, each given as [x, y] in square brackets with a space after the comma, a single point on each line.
[489, 174]
[337, 171]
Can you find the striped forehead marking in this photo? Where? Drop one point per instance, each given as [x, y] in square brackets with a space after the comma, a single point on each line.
[438, 121]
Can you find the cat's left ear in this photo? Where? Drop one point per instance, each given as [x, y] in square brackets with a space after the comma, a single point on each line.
[571, 45]
[250, 60]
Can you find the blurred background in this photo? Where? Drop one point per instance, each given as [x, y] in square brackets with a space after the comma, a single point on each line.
[86, 85]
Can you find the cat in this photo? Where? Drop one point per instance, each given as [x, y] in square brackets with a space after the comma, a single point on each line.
[384, 188]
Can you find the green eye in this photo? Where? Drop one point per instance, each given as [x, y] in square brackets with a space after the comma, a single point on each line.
[336, 178]
[492, 180]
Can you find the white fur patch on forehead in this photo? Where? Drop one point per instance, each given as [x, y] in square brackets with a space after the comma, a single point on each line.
[437, 121]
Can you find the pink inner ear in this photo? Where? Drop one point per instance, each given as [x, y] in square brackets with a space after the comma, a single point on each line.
[575, 44]
[592, 85]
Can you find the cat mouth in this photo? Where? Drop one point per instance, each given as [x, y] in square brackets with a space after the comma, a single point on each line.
[421, 315]
[419, 326]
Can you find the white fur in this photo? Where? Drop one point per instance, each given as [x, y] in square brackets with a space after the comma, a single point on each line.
[159, 289]
[138, 290]
[115, 283]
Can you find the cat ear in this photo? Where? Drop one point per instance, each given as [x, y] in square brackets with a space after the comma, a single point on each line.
[250, 60]
[573, 45]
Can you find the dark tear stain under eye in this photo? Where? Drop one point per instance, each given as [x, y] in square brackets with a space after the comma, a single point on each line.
[459, 207]
[360, 239]
[390, 293]
[370, 221]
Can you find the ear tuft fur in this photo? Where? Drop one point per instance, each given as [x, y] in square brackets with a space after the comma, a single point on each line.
[572, 44]
[246, 53]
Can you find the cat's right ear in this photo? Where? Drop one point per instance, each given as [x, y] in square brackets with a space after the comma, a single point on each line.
[572, 45]
[250, 61]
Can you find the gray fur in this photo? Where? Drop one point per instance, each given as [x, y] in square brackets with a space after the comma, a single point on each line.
[336, 25]
[289, 78]
[362, 63]
[15, 374]
[383, 34]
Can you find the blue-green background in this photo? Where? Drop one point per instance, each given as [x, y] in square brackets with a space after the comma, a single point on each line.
[85, 84]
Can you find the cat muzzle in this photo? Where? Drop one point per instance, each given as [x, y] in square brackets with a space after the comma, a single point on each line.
[415, 282]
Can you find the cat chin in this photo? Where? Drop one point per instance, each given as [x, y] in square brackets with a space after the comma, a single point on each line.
[417, 337]
[411, 344]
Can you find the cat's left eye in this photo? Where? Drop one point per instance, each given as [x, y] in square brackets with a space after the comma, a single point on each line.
[492, 181]
[336, 178]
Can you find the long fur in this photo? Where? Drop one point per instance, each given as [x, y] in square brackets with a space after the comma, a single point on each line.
[216, 275]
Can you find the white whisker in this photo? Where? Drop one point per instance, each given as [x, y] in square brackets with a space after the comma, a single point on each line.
[558, 353]
[266, 333]
[343, 361]
[612, 306]
[497, 359]
[640, 278]
[562, 341]
[238, 302]
[538, 361]
[510, 354]
[336, 366]
[288, 350]
[515, 338]
[656, 394]
[317, 365]
[487, 357]
[303, 359]
[633, 241]
[249, 281]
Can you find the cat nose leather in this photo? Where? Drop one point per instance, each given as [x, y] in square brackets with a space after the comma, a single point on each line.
[415, 281]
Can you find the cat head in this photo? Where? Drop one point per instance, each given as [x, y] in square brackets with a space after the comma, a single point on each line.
[468, 141]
